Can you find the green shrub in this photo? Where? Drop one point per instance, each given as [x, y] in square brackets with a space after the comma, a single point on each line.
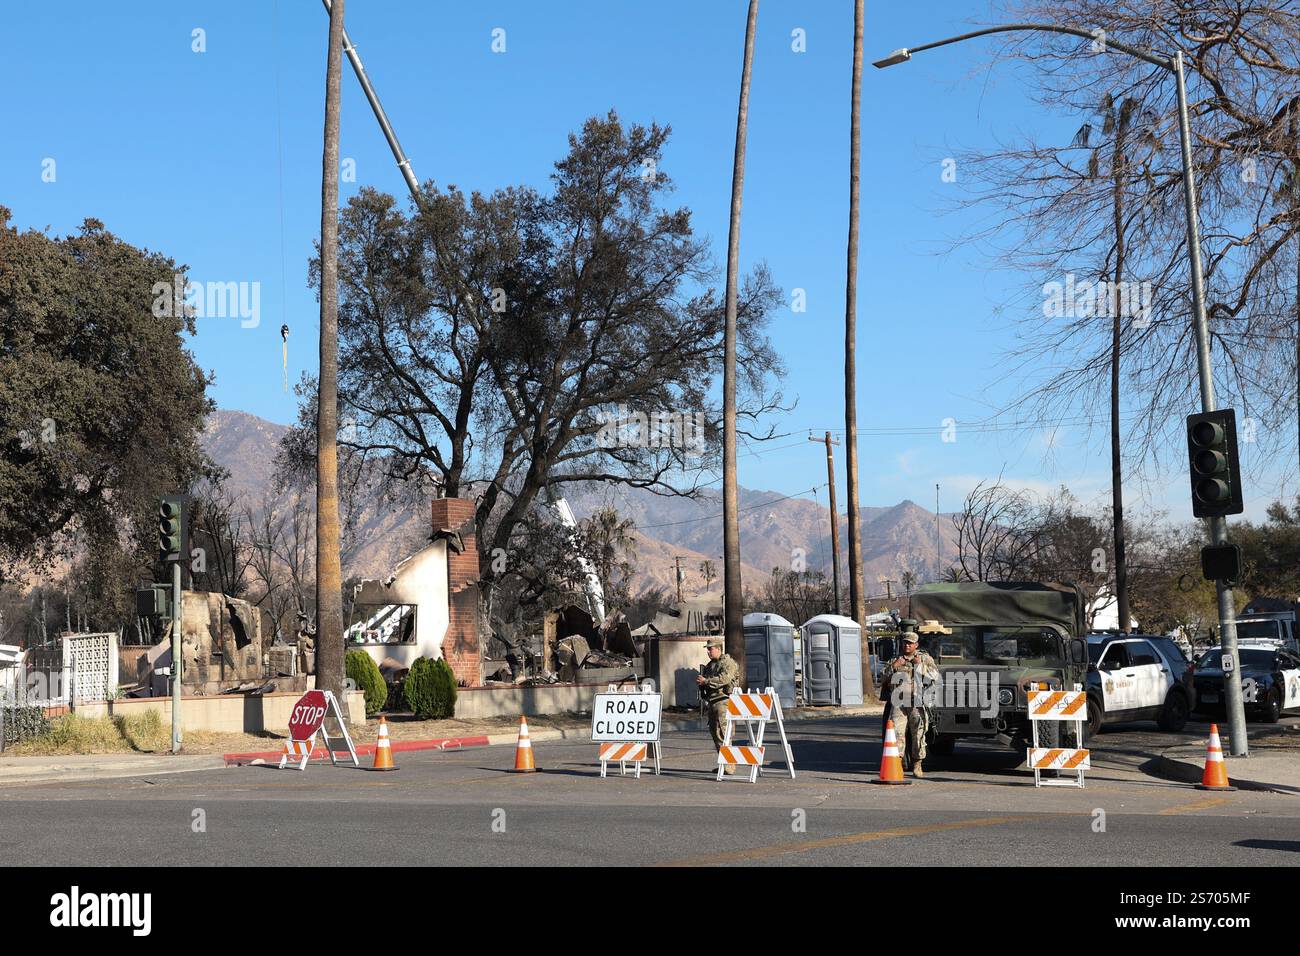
[430, 689]
[364, 672]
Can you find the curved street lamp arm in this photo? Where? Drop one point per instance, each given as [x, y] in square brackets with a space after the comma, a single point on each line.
[1153, 58]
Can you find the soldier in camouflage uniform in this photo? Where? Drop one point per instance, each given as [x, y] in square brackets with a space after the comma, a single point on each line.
[909, 676]
[718, 678]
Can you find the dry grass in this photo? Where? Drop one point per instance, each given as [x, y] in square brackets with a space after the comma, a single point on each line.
[74, 734]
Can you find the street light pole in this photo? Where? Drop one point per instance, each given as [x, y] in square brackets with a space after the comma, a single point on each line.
[1218, 526]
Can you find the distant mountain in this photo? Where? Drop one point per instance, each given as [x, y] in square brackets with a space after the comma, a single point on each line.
[775, 530]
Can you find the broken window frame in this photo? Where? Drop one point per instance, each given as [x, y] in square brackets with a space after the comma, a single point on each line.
[363, 614]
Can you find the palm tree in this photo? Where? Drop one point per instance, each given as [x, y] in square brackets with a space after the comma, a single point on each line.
[708, 572]
[329, 572]
[857, 599]
[733, 631]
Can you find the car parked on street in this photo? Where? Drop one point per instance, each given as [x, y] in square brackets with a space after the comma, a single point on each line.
[1138, 677]
[1269, 675]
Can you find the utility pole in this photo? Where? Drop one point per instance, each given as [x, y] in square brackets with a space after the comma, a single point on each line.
[835, 515]
[678, 562]
[889, 594]
[938, 558]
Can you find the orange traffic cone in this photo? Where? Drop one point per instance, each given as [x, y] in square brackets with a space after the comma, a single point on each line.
[524, 749]
[383, 753]
[891, 764]
[1215, 776]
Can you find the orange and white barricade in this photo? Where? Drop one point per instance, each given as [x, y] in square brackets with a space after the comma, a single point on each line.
[623, 754]
[625, 724]
[755, 710]
[1063, 706]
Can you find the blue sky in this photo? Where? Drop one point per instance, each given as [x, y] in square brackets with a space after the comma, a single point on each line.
[214, 158]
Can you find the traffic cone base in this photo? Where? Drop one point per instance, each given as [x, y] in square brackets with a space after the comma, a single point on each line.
[383, 752]
[1215, 776]
[524, 750]
[891, 764]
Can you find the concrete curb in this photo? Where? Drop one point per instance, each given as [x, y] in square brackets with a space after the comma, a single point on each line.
[679, 722]
[1183, 768]
[111, 769]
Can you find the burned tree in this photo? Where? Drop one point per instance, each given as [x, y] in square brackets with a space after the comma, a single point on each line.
[515, 343]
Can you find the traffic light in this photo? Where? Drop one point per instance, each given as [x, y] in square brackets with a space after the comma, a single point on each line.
[1221, 562]
[1216, 475]
[171, 528]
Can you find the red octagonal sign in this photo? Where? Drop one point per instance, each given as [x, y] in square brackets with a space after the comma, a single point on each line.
[308, 715]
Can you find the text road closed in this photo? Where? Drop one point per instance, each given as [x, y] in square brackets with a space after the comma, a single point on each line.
[631, 717]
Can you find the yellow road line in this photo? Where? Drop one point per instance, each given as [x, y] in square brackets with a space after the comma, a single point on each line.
[871, 836]
[1195, 805]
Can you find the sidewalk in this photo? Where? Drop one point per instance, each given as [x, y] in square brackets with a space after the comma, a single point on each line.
[69, 767]
[1273, 764]
[108, 766]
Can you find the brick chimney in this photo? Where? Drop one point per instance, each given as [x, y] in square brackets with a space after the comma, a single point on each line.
[461, 646]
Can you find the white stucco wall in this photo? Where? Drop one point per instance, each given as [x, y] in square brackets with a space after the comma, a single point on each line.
[420, 580]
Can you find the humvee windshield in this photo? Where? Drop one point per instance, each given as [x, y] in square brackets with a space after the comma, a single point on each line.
[1009, 645]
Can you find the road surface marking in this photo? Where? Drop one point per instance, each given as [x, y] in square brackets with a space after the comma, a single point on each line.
[1195, 805]
[871, 836]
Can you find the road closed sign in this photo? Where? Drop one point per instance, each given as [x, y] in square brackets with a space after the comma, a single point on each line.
[307, 715]
[625, 717]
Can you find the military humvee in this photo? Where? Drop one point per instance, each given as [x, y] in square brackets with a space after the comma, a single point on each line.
[1006, 639]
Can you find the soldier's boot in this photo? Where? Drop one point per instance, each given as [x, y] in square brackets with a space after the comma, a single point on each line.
[729, 768]
[916, 770]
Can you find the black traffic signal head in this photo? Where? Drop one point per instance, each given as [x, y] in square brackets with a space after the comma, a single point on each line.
[1221, 562]
[171, 528]
[1215, 472]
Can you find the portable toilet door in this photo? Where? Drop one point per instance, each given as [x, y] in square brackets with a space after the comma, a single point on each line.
[757, 664]
[850, 638]
[769, 655]
[820, 676]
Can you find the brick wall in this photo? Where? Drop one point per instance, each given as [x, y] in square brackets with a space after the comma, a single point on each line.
[461, 648]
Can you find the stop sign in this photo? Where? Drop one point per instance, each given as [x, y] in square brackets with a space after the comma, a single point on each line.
[308, 715]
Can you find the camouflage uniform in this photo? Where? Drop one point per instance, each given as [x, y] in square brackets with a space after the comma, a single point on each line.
[720, 679]
[912, 721]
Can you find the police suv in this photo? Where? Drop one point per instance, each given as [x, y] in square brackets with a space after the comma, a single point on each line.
[1269, 675]
[1138, 677]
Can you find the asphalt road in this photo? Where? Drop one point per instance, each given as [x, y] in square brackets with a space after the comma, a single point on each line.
[465, 808]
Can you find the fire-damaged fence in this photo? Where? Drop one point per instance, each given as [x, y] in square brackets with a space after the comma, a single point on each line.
[43, 682]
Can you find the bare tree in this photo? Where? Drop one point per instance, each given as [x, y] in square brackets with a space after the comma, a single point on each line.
[266, 531]
[1067, 218]
[219, 530]
[998, 533]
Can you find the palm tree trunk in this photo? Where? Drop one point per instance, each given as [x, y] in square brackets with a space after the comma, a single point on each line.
[733, 631]
[329, 574]
[857, 597]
